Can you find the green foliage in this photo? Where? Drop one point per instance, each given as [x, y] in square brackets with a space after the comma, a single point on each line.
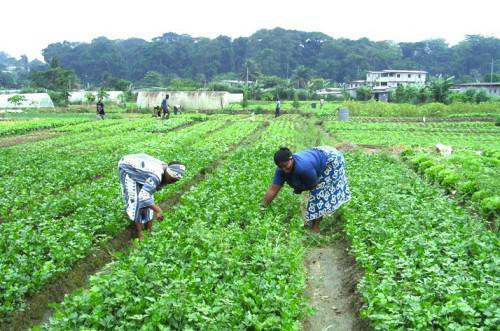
[440, 88]
[102, 94]
[17, 100]
[7, 80]
[385, 109]
[90, 97]
[481, 96]
[152, 79]
[55, 78]
[227, 268]
[244, 101]
[470, 95]
[410, 94]
[295, 103]
[363, 93]
[466, 173]
[184, 84]
[489, 77]
[427, 264]
[474, 135]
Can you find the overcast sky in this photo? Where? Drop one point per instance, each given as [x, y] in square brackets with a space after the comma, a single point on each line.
[28, 26]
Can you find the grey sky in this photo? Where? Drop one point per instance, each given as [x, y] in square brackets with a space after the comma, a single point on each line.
[28, 26]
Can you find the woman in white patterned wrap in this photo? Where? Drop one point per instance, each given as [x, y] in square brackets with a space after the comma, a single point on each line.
[141, 175]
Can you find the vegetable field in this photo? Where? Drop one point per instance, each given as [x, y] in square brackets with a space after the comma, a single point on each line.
[422, 227]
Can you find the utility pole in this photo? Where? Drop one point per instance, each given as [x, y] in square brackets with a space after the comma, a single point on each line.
[247, 75]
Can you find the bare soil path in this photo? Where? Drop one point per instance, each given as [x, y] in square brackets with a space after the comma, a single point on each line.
[331, 289]
[29, 137]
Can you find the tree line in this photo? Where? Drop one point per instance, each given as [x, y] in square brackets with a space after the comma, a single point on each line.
[276, 53]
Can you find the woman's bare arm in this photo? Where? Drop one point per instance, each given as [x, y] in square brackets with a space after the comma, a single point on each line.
[271, 193]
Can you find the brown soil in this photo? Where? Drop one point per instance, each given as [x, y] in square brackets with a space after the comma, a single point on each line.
[33, 136]
[331, 289]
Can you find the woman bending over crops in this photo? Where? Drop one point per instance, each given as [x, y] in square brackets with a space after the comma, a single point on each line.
[319, 170]
[142, 175]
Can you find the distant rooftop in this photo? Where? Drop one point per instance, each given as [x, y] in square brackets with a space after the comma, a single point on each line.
[399, 71]
[479, 84]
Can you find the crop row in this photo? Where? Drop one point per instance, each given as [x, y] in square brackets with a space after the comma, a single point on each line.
[471, 176]
[43, 241]
[414, 138]
[24, 126]
[50, 170]
[468, 128]
[216, 263]
[427, 264]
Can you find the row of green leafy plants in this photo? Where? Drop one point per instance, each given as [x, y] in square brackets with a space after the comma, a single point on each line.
[388, 134]
[469, 127]
[13, 127]
[40, 240]
[427, 264]
[55, 169]
[384, 109]
[215, 263]
[472, 177]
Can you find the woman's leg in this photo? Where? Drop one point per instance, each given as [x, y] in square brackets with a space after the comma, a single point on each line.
[315, 225]
[149, 225]
[138, 228]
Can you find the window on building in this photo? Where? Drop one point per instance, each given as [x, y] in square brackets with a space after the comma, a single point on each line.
[384, 83]
[391, 75]
[418, 75]
[409, 75]
[398, 75]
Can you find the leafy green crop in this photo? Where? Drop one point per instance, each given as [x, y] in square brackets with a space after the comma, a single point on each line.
[51, 222]
[216, 263]
[427, 264]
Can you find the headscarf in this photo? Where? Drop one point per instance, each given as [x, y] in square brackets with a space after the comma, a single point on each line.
[176, 170]
[282, 155]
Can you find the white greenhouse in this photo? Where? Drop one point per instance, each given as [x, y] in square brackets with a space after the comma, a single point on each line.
[199, 100]
[32, 100]
[79, 96]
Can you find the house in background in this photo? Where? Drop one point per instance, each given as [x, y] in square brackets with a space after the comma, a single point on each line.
[332, 91]
[493, 89]
[383, 81]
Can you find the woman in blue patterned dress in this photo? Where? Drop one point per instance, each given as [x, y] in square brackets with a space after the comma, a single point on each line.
[141, 176]
[320, 170]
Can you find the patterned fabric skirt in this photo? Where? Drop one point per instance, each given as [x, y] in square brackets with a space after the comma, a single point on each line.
[332, 189]
[130, 192]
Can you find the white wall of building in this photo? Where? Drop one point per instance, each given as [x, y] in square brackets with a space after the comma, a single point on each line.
[391, 78]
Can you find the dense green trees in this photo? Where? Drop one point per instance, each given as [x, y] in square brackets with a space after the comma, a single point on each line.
[278, 52]
[288, 55]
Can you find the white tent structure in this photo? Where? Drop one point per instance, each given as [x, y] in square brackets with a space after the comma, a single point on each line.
[33, 100]
[200, 100]
[79, 96]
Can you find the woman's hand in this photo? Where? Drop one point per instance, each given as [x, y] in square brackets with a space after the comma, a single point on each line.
[159, 216]
[271, 193]
[158, 211]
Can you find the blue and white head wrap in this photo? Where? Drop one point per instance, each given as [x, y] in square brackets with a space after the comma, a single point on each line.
[176, 170]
